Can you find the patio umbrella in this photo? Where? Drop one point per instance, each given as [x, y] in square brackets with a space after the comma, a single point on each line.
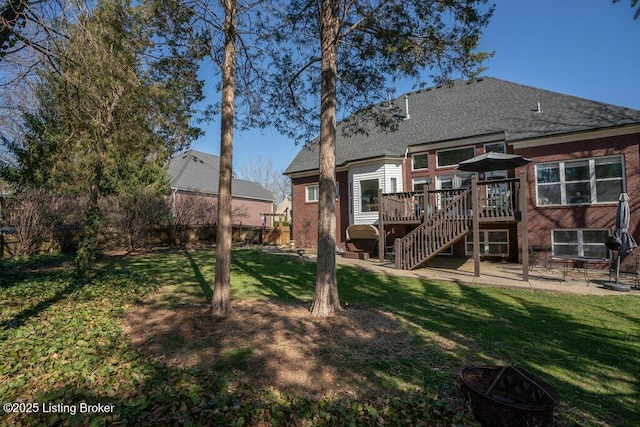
[624, 241]
[492, 161]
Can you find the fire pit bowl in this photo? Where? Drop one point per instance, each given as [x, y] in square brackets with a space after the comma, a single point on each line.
[508, 396]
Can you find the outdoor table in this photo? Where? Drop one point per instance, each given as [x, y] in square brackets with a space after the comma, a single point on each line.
[573, 260]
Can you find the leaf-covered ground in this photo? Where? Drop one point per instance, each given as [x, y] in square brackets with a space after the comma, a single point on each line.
[277, 346]
[138, 341]
[64, 347]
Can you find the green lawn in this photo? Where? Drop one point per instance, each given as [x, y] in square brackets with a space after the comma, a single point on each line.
[61, 343]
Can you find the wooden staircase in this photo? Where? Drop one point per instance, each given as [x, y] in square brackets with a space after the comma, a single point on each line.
[438, 231]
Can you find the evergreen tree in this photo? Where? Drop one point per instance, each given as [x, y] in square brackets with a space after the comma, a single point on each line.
[112, 107]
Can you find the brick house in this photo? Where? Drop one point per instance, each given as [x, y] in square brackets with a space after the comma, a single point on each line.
[583, 155]
[194, 182]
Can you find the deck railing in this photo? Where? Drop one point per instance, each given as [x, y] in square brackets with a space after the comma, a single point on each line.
[440, 229]
[497, 200]
[445, 216]
[402, 207]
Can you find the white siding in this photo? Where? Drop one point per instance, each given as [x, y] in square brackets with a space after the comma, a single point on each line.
[383, 173]
[393, 171]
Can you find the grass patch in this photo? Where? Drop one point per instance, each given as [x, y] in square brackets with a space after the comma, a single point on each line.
[62, 341]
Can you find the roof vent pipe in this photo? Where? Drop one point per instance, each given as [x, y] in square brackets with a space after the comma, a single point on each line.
[406, 107]
[539, 109]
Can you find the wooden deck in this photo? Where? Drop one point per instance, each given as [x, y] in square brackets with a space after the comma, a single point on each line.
[497, 201]
[445, 216]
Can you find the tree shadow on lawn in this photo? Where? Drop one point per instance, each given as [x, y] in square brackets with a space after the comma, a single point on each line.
[175, 396]
[30, 286]
[17, 270]
[270, 339]
[277, 345]
[204, 285]
[31, 311]
[495, 326]
[435, 330]
[285, 278]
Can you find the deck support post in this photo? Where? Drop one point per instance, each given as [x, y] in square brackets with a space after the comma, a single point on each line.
[381, 234]
[476, 225]
[425, 203]
[522, 201]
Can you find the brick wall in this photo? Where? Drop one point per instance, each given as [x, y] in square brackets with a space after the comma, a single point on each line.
[305, 214]
[543, 219]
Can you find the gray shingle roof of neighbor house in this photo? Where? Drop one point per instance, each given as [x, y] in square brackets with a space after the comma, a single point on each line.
[200, 172]
[464, 110]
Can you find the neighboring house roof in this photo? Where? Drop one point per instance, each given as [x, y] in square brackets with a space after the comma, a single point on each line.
[462, 110]
[200, 172]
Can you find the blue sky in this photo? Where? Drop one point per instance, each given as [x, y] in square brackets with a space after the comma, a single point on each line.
[585, 48]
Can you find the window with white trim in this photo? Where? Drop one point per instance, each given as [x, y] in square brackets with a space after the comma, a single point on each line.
[492, 243]
[420, 183]
[495, 147]
[580, 242]
[419, 161]
[454, 156]
[594, 180]
[312, 193]
[451, 182]
[394, 185]
[369, 195]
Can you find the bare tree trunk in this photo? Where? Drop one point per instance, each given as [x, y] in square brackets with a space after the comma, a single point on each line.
[326, 300]
[221, 301]
[86, 255]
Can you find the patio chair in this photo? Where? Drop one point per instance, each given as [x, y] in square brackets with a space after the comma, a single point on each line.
[390, 252]
[536, 258]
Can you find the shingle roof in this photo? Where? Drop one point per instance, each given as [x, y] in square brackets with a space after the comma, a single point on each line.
[465, 110]
[200, 172]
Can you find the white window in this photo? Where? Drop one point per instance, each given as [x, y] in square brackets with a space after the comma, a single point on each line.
[369, 195]
[451, 182]
[595, 180]
[455, 156]
[580, 242]
[492, 243]
[420, 183]
[420, 161]
[495, 147]
[312, 193]
[394, 185]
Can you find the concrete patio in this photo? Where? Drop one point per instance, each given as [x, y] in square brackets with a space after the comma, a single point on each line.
[506, 275]
[496, 274]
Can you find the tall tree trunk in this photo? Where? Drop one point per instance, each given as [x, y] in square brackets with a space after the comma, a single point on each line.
[86, 255]
[325, 299]
[221, 301]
